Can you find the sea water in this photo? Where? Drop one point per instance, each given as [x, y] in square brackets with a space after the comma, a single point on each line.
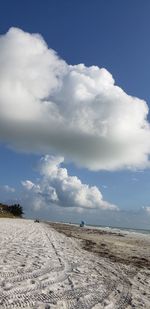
[119, 229]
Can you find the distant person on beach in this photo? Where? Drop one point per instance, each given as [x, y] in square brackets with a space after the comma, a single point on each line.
[82, 224]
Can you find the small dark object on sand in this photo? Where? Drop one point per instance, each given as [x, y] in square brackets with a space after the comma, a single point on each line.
[36, 221]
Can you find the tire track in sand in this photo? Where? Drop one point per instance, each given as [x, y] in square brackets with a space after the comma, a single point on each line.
[52, 269]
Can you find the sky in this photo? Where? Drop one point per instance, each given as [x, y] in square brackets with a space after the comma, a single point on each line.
[74, 110]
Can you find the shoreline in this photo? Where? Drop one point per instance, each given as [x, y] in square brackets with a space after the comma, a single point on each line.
[118, 246]
[113, 229]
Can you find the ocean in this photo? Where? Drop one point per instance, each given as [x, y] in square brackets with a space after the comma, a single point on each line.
[118, 229]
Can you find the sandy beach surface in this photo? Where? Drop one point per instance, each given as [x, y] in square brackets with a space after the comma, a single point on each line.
[64, 266]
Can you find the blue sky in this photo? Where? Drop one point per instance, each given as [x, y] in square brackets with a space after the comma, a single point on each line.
[109, 34]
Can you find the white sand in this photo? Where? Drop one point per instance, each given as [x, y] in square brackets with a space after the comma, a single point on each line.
[40, 268]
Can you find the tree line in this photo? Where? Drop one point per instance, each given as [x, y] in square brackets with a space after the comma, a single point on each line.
[15, 209]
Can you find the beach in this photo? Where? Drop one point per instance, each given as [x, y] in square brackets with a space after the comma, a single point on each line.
[55, 265]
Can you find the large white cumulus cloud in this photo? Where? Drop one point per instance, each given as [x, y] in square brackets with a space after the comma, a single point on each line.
[57, 187]
[48, 106]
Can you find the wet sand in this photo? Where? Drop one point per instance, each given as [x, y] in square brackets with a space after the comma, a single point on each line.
[123, 247]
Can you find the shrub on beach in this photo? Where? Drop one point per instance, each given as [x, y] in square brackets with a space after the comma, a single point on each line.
[15, 210]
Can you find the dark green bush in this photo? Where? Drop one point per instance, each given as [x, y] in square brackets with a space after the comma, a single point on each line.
[16, 210]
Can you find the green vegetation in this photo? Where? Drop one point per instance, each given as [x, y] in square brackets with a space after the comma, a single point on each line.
[6, 215]
[11, 211]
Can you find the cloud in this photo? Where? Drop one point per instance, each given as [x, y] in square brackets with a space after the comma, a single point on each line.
[104, 186]
[147, 210]
[29, 185]
[58, 188]
[8, 189]
[48, 106]
[135, 179]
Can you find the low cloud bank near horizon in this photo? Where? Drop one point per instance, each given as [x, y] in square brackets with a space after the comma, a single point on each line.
[146, 209]
[57, 187]
[48, 106]
[7, 188]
